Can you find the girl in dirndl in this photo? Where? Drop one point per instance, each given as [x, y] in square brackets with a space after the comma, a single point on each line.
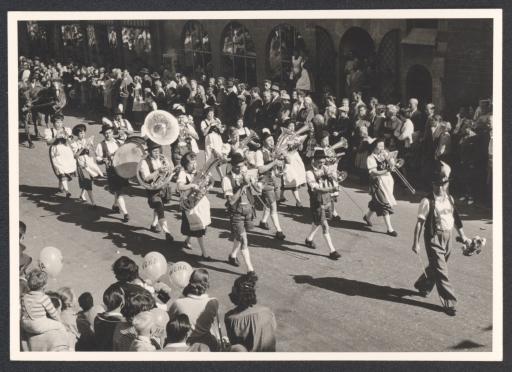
[381, 187]
[294, 175]
[62, 159]
[86, 169]
[195, 220]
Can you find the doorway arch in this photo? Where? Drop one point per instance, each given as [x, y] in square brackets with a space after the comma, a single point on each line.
[325, 69]
[357, 57]
[419, 84]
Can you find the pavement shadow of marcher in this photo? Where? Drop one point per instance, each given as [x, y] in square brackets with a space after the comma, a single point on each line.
[266, 241]
[121, 235]
[466, 344]
[350, 287]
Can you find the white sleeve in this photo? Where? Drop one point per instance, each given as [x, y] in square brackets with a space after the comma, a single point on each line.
[311, 180]
[371, 163]
[182, 178]
[99, 152]
[144, 170]
[129, 126]
[423, 209]
[258, 159]
[204, 127]
[226, 186]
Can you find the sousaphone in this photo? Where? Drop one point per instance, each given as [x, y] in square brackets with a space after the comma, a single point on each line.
[161, 127]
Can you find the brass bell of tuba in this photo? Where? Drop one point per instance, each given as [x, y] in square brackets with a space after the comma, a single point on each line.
[161, 127]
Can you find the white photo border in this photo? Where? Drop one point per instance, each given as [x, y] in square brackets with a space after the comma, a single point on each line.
[496, 354]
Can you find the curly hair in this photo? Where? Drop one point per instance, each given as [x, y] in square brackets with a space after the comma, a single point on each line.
[136, 303]
[125, 269]
[198, 284]
[243, 293]
[68, 297]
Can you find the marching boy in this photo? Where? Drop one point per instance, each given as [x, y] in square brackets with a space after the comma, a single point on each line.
[320, 189]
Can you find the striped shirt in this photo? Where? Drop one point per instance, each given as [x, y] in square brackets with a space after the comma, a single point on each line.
[35, 304]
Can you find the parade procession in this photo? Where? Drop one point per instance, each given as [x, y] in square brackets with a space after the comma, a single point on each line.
[159, 192]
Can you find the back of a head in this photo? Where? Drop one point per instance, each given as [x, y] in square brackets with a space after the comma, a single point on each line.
[113, 297]
[136, 303]
[244, 291]
[125, 269]
[199, 283]
[23, 229]
[86, 301]
[177, 329]
[37, 279]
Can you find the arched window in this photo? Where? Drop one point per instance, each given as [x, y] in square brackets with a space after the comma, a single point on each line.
[37, 38]
[197, 52]
[283, 41]
[238, 53]
[419, 84]
[73, 41]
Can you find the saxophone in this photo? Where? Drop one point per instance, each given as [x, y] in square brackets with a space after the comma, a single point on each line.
[191, 198]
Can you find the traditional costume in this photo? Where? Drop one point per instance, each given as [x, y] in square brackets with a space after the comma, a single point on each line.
[195, 220]
[381, 186]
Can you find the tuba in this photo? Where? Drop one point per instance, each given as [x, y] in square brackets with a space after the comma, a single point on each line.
[163, 178]
[191, 198]
[336, 174]
[161, 127]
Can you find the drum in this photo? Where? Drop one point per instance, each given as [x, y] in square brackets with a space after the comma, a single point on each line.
[127, 157]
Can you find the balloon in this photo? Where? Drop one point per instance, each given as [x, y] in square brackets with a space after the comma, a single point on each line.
[179, 273]
[50, 260]
[160, 317]
[153, 266]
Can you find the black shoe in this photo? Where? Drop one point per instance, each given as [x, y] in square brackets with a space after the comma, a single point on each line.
[252, 274]
[281, 200]
[367, 221]
[337, 218]
[169, 237]
[423, 293]
[31, 146]
[280, 235]
[334, 255]
[94, 206]
[264, 225]
[115, 209]
[299, 205]
[233, 261]
[206, 258]
[310, 244]
[68, 195]
[126, 218]
[392, 233]
[155, 229]
[450, 311]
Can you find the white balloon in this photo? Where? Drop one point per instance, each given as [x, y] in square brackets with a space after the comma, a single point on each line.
[179, 274]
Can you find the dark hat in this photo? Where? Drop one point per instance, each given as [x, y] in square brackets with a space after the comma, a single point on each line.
[230, 84]
[237, 158]
[144, 71]
[58, 116]
[265, 135]
[267, 81]
[106, 127]
[152, 145]
[79, 128]
[275, 87]
[155, 76]
[319, 154]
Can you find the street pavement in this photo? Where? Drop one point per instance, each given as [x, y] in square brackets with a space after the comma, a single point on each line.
[364, 302]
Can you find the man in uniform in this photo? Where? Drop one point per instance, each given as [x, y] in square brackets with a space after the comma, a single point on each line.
[438, 215]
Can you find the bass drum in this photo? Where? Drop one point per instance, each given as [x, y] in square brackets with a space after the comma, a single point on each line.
[128, 155]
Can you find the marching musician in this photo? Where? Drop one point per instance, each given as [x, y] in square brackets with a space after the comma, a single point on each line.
[105, 151]
[87, 169]
[238, 190]
[319, 190]
[212, 130]
[122, 126]
[381, 186]
[61, 156]
[294, 175]
[437, 213]
[268, 175]
[194, 221]
[331, 162]
[150, 169]
[187, 137]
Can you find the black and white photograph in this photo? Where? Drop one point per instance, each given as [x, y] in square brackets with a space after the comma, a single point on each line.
[301, 184]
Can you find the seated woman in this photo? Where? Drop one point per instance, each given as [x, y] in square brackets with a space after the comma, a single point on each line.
[248, 324]
[200, 308]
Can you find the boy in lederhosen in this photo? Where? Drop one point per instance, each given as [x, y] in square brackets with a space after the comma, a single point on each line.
[320, 189]
[240, 205]
[437, 213]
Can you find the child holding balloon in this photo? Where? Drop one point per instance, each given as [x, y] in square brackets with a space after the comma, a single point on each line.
[38, 315]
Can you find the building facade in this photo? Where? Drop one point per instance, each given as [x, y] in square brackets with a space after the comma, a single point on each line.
[448, 62]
